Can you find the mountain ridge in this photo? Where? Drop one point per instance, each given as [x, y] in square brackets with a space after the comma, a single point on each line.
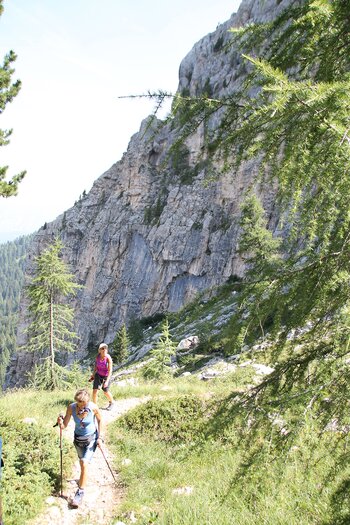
[156, 229]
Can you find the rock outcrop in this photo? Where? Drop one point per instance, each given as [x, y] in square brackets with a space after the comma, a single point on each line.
[155, 230]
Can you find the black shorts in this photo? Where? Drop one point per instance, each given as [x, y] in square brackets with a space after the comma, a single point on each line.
[99, 382]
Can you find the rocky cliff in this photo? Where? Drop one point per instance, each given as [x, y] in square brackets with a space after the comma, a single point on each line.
[155, 230]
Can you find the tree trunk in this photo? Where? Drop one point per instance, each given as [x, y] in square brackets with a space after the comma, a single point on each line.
[52, 351]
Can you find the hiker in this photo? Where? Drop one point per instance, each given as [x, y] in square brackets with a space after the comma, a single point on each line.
[87, 435]
[101, 375]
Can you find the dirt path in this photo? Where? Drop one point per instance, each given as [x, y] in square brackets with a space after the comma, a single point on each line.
[102, 494]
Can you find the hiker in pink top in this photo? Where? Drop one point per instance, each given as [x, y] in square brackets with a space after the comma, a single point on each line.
[102, 375]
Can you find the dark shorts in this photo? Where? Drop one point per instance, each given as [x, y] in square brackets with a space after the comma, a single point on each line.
[99, 382]
[85, 451]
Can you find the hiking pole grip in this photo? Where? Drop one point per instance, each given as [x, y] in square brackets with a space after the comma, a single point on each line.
[56, 424]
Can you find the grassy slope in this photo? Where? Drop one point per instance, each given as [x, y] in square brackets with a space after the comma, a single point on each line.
[184, 468]
[216, 474]
[192, 459]
[31, 451]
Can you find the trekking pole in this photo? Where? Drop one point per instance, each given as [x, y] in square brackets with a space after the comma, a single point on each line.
[61, 458]
[61, 462]
[108, 465]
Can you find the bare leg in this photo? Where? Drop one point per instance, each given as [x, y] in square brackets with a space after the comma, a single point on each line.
[94, 396]
[108, 396]
[83, 473]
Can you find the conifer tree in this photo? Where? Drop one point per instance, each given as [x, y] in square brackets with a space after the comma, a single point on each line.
[291, 114]
[298, 123]
[121, 345]
[7, 93]
[158, 367]
[52, 319]
[12, 260]
[256, 243]
[261, 252]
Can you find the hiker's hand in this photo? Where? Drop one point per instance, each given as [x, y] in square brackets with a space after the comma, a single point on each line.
[60, 421]
[106, 383]
[91, 378]
[100, 441]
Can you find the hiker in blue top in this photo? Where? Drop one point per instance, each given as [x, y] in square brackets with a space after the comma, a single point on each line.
[87, 434]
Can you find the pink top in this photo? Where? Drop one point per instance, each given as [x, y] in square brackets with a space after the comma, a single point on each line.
[102, 366]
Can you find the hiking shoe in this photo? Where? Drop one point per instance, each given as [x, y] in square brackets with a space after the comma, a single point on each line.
[110, 406]
[78, 498]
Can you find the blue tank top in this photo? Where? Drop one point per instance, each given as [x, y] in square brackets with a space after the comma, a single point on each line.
[86, 426]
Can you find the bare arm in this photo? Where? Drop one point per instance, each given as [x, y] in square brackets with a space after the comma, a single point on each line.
[99, 424]
[93, 373]
[110, 369]
[63, 422]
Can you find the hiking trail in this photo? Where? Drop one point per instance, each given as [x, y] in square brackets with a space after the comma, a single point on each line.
[102, 494]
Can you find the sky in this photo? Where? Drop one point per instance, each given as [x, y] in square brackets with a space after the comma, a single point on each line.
[74, 59]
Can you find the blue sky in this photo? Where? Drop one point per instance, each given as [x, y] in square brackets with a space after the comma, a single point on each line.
[75, 57]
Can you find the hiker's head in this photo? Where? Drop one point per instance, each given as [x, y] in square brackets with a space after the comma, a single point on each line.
[82, 397]
[103, 349]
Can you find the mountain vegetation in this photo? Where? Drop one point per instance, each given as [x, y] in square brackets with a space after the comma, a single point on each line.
[292, 112]
[12, 261]
[157, 367]
[121, 345]
[8, 91]
[51, 327]
[250, 426]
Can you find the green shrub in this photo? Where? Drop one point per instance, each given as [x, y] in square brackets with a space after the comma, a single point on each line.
[152, 213]
[152, 320]
[135, 330]
[31, 469]
[182, 167]
[218, 44]
[172, 420]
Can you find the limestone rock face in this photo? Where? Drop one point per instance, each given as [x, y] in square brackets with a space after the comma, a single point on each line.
[154, 231]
